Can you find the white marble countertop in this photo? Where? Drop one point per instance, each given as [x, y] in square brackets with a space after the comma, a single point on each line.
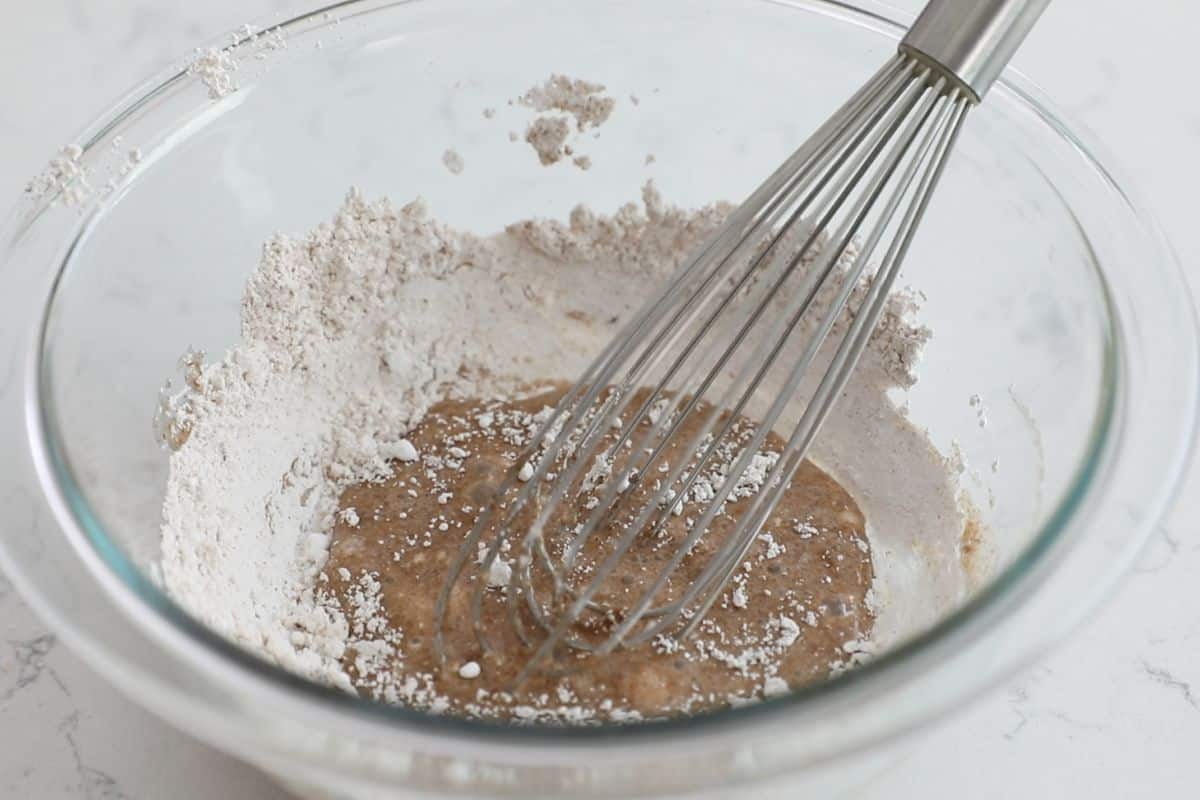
[1114, 713]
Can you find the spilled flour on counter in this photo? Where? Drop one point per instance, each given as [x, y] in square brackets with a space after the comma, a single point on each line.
[351, 334]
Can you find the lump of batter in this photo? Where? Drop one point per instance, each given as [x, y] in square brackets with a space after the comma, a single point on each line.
[793, 612]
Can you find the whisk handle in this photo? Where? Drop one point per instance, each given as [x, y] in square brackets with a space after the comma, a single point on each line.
[972, 40]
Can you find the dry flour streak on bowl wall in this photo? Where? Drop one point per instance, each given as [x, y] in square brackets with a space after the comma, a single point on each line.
[333, 425]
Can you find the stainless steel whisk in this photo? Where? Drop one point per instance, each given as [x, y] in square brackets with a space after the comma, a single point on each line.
[741, 315]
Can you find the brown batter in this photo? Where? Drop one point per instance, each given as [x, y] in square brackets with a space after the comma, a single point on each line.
[796, 609]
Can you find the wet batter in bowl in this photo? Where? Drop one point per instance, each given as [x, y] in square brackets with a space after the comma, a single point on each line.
[796, 609]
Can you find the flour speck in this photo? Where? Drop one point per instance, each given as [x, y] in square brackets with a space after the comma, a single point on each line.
[453, 161]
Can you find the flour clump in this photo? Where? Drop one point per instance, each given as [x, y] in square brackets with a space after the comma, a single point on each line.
[559, 101]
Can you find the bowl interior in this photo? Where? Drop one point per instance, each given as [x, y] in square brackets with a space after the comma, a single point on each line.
[725, 90]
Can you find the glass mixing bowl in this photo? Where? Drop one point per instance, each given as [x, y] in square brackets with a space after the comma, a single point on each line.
[1051, 294]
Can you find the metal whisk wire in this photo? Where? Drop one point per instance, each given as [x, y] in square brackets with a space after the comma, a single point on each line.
[865, 176]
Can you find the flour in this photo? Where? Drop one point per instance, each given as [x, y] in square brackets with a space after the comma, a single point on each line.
[583, 100]
[65, 176]
[351, 333]
[217, 68]
[559, 100]
[453, 161]
[267, 436]
[548, 138]
[74, 177]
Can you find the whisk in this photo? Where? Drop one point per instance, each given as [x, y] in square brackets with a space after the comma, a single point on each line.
[768, 318]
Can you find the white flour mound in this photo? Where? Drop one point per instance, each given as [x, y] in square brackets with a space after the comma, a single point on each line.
[351, 333]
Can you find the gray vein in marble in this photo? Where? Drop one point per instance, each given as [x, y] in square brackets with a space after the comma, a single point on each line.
[1158, 556]
[1020, 705]
[30, 657]
[96, 784]
[1028, 708]
[1164, 677]
[1019, 698]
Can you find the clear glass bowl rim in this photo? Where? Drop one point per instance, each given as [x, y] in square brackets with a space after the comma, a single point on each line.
[147, 603]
